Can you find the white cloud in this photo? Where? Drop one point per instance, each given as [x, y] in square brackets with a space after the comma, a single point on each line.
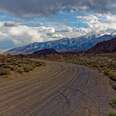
[21, 34]
[100, 22]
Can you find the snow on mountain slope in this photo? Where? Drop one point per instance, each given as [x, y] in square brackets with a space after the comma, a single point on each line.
[64, 45]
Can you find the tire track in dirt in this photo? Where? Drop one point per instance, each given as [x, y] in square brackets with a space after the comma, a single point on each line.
[28, 91]
[24, 82]
[62, 90]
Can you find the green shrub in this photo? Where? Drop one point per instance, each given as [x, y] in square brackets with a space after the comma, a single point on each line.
[112, 114]
[19, 70]
[113, 84]
[4, 71]
[17, 64]
[28, 68]
[113, 102]
[111, 74]
[113, 65]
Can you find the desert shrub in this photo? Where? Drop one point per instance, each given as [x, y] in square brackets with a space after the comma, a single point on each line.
[93, 64]
[4, 71]
[113, 65]
[113, 102]
[17, 64]
[11, 67]
[28, 68]
[111, 74]
[19, 70]
[112, 114]
[113, 84]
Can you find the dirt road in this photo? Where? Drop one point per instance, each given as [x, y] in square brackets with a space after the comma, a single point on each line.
[57, 89]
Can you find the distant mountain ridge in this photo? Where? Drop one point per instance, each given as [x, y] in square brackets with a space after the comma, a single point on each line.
[45, 52]
[80, 44]
[108, 46]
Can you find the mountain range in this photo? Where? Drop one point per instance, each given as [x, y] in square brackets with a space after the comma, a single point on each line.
[80, 44]
[104, 47]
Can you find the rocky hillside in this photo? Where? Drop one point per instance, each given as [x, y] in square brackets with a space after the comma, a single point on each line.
[104, 47]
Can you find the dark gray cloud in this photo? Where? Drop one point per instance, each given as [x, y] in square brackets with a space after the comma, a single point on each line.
[45, 7]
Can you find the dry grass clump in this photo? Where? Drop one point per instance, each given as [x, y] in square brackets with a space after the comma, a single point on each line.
[4, 71]
[111, 74]
[17, 64]
[112, 114]
[113, 102]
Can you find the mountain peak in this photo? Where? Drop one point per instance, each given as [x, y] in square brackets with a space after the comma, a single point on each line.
[79, 44]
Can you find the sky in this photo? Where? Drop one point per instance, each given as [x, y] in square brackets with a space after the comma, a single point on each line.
[26, 21]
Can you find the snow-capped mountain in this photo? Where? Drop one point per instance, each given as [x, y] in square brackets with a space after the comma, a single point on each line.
[80, 44]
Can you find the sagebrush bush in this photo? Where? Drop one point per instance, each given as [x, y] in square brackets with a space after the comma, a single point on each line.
[113, 102]
[4, 71]
[17, 64]
[111, 74]
[112, 114]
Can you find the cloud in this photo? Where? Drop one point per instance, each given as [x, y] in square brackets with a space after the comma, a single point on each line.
[20, 34]
[45, 7]
[100, 22]
[15, 34]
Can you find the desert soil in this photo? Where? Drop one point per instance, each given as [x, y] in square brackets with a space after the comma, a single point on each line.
[57, 89]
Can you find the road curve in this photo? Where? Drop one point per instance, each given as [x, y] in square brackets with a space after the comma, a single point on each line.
[57, 89]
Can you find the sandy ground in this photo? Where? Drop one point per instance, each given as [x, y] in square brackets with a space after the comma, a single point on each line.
[57, 89]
